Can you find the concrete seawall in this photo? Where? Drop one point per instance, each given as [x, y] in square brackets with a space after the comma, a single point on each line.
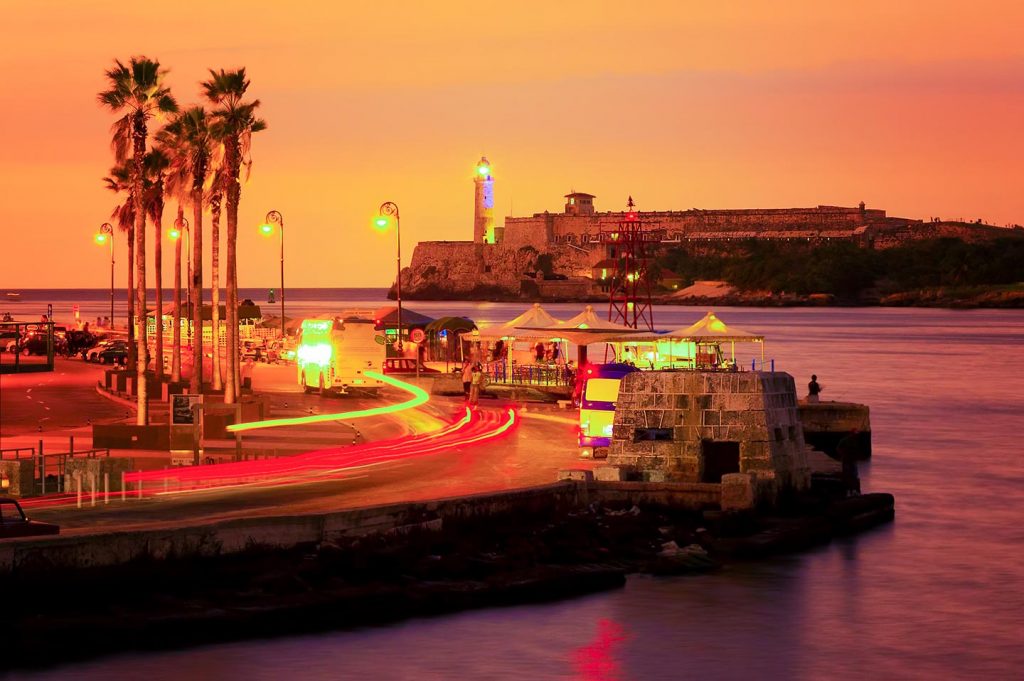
[283, 532]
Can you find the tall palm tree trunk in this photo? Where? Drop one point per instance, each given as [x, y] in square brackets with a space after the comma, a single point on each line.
[176, 348]
[232, 387]
[139, 148]
[196, 384]
[158, 256]
[131, 294]
[215, 285]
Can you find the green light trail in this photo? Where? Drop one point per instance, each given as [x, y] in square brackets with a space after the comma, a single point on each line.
[420, 396]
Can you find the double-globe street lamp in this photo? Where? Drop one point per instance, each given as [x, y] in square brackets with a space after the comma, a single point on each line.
[106, 236]
[388, 210]
[267, 228]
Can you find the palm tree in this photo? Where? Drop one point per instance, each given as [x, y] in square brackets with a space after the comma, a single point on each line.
[216, 199]
[193, 145]
[157, 164]
[137, 93]
[119, 181]
[176, 182]
[233, 123]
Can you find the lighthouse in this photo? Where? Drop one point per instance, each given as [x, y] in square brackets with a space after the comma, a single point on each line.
[483, 209]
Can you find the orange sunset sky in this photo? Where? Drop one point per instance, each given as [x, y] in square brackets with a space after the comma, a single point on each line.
[915, 107]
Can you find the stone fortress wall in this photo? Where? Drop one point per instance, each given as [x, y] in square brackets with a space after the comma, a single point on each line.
[497, 261]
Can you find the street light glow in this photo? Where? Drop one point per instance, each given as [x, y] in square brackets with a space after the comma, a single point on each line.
[267, 229]
[174, 234]
[381, 223]
[100, 238]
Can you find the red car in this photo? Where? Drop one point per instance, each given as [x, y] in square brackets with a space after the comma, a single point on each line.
[13, 522]
[405, 365]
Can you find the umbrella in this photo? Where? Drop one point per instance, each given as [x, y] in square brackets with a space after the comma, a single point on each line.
[455, 324]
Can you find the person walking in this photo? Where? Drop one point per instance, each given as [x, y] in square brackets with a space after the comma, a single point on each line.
[476, 385]
[467, 376]
[813, 390]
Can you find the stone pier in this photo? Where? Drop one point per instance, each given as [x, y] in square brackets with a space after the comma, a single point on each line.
[693, 426]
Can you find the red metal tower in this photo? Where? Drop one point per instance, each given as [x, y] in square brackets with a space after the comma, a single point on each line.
[629, 300]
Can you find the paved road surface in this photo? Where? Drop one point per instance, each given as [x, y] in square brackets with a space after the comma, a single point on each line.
[529, 455]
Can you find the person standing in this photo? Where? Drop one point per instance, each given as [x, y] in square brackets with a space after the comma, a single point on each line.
[813, 390]
[467, 376]
[476, 383]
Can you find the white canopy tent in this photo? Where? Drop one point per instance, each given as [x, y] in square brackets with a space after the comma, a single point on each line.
[686, 342]
[532, 324]
[587, 327]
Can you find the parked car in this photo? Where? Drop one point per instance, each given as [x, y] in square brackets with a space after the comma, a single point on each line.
[14, 523]
[405, 365]
[113, 354]
[36, 344]
[9, 340]
[92, 354]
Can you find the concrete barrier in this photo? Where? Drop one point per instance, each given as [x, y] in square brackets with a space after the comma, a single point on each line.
[20, 477]
[233, 536]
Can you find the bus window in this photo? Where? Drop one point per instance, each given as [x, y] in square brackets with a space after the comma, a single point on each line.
[602, 389]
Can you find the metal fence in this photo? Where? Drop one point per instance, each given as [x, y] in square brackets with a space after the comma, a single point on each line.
[26, 347]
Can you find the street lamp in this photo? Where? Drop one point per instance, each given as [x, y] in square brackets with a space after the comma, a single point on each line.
[267, 228]
[387, 210]
[104, 236]
[181, 227]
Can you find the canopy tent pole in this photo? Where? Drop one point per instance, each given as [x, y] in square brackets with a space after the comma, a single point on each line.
[762, 355]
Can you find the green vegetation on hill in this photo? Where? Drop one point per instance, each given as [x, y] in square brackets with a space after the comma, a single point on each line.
[846, 270]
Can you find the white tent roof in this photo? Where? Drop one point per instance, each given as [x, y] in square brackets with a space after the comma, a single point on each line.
[536, 317]
[587, 327]
[709, 328]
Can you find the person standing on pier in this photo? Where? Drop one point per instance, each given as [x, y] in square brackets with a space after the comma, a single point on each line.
[813, 390]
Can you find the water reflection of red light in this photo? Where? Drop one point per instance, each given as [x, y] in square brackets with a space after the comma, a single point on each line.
[596, 661]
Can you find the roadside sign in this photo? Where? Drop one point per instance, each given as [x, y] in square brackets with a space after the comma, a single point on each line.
[417, 335]
[381, 340]
[182, 413]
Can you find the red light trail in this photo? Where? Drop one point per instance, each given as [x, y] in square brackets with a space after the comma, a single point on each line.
[320, 465]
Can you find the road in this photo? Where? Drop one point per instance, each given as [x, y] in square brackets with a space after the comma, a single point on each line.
[531, 453]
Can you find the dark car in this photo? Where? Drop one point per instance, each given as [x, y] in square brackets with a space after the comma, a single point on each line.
[37, 344]
[405, 365]
[13, 522]
[114, 354]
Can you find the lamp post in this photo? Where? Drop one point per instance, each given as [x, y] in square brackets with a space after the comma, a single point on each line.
[386, 210]
[179, 229]
[267, 228]
[106, 235]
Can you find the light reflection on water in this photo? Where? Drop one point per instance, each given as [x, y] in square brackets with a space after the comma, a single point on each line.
[938, 594]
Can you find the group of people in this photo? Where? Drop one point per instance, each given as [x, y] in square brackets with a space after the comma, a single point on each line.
[547, 352]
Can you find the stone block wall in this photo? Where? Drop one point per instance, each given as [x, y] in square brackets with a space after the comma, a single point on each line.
[20, 477]
[756, 410]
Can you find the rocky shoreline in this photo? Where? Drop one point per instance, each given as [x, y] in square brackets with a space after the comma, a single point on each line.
[58, 616]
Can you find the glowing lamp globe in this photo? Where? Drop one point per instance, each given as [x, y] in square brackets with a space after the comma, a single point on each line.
[381, 223]
[174, 234]
[484, 170]
[100, 238]
[266, 229]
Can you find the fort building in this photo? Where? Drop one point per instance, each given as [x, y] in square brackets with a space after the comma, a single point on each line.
[500, 259]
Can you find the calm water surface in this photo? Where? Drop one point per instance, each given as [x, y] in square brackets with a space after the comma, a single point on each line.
[939, 594]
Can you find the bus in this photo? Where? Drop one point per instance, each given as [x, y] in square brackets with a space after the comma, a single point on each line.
[598, 392]
[334, 354]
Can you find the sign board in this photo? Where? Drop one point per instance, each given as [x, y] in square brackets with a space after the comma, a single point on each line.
[381, 340]
[182, 413]
[417, 335]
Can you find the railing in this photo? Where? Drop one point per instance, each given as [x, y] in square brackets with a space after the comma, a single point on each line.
[531, 374]
[45, 465]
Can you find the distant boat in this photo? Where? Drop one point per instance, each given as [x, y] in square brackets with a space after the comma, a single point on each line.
[13, 297]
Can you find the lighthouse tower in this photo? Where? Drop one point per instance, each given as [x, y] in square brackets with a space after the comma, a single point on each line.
[483, 210]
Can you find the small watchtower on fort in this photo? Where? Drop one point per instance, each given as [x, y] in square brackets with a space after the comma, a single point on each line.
[579, 203]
